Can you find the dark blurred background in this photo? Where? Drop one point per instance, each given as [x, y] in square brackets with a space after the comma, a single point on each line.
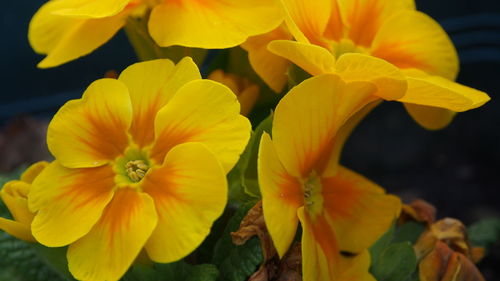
[455, 169]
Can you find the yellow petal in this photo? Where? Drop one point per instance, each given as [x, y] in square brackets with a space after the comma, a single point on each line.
[212, 24]
[64, 39]
[358, 209]
[313, 59]
[33, 171]
[391, 83]
[190, 193]
[320, 252]
[109, 249]
[151, 85]
[203, 111]
[92, 131]
[69, 202]
[363, 18]
[439, 92]
[270, 67]
[281, 196]
[411, 39]
[310, 17]
[317, 108]
[91, 8]
[15, 196]
[17, 229]
[356, 268]
[431, 118]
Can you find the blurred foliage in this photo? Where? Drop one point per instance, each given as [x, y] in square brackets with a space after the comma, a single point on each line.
[237, 263]
[393, 257]
[484, 232]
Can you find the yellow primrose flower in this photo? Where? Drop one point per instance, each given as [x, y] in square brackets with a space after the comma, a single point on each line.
[301, 180]
[14, 194]
[140, 163]
[246, 91]
[325, 30]
[65, 30]
[271, 68]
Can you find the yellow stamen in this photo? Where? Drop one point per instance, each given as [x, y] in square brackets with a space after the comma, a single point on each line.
[136, 169]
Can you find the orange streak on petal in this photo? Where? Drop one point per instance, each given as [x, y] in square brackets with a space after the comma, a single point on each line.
[96, 128]
[396, 54]
[350, 194]
[324, 235]
[169, 138]
[142, 127]
[364, 21]
[335, 28]
[78, 193]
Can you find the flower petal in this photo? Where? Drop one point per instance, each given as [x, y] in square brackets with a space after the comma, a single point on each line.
[363, 18]
[92, 8]
[190, 193]
[431, 118]
[411, 39]
[390, 82]
[281, 196]
[17, 229]
[212, 24]
[14, 195]
[202, 111]
[310, 17]
[33, 171]
[356, 268]
[69, 202]
[335, 28]
[358, 209]
[314, 59]
[320, 251]
[439, 92]
[270, 67]
[64, 39]
[317, 108]
[92, 131]
[109, 249]
[151, 85]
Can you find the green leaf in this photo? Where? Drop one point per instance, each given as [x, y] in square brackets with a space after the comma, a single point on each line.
[409, 232]
[397, 262]
[54, 258]
[484, 232]
[382, 244]
[172, 271]
[237, 263]
[296, 75]
[242, 179]
[20, 261]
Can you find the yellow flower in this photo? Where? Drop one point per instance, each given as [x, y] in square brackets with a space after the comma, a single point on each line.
[65, 30]
[140, 163]
[271, 68]
[301, 180]
[246, 91]
[325, 30]
[15, 196]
